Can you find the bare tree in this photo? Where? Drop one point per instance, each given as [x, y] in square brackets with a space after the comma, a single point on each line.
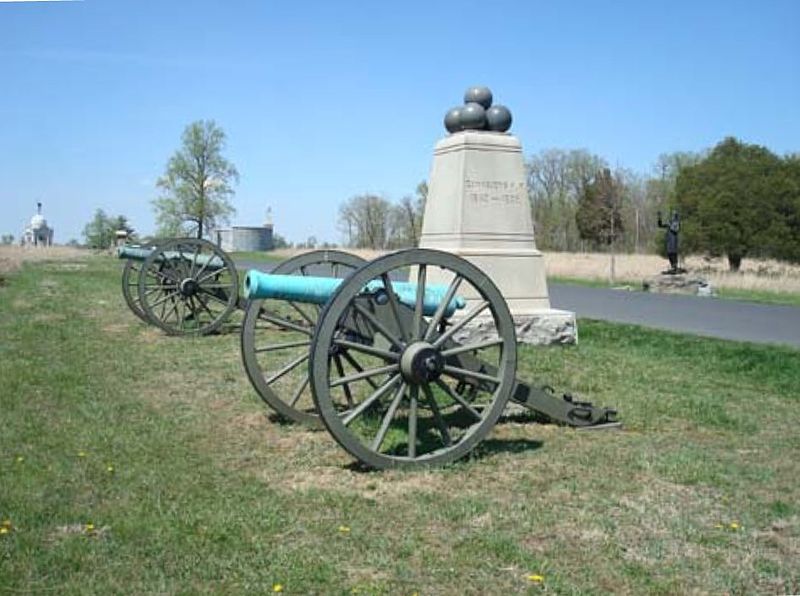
[557, 178]
[365, 221]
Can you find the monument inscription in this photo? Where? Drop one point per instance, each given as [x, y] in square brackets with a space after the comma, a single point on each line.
[495, 192]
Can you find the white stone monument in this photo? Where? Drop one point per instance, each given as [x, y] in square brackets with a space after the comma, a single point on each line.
[477, 207]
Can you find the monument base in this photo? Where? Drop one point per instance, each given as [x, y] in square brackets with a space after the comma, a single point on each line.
[546, 327]
[672, 283]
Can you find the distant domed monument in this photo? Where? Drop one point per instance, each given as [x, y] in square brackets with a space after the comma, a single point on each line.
[38, 233]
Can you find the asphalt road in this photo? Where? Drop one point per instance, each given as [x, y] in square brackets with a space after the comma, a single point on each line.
[711, 317]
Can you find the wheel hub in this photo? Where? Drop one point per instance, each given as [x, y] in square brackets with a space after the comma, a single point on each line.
[189, 287]
[421, 363]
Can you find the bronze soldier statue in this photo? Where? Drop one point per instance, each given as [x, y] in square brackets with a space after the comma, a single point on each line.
[673, 226]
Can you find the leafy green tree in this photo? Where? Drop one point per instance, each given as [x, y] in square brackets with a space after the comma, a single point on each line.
[99, 233]
[120, 222]
[7, 239]
[599, 213]
[741, 200]
[197, 184]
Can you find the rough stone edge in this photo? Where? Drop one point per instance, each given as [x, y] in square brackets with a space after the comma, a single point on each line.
[552, 327]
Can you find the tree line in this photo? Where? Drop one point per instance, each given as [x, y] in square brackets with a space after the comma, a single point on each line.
[373, 221]
[735, 200]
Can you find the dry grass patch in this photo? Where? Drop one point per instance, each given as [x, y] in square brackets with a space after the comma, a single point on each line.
[12, 257]
[764, 275]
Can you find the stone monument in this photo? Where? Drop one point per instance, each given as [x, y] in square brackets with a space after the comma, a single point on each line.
[478, 208]
[37, 232]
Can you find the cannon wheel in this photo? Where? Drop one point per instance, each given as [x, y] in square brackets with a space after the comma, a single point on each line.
[264, 358]
[380, 418]
[188, 286]
[130, 288]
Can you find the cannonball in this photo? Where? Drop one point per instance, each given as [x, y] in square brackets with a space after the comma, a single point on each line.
[498, 118]
[480, 95]
[473, 117]
[452, 120]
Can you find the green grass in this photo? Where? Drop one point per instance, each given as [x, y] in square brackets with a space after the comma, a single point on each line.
[207, 494]
[762, 296]
[792, 299]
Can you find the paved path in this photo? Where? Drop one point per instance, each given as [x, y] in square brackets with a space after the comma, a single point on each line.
[712, 317]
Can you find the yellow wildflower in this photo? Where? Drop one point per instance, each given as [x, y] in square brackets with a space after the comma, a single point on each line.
[89, 528]
[20, 459]
[110, 469]
[734, 525]
[536, 578]
[277, 588]
[3, 530]
[81, 454]
[344, 529]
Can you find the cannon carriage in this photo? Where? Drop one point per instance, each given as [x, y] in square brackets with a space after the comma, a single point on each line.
[188, 286]
[184, 286]
[409, 361]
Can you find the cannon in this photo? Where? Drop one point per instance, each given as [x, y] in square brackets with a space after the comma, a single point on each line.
[188, 286]
[409, 361]
[184, 286]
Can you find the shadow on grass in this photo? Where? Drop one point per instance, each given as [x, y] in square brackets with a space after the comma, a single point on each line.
[491, 447]
[487, 448]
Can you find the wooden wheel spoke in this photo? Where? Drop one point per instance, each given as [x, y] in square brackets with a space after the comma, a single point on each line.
[288, 368]
[205, 306]
[299, 391]
[194, 260]
[283, 346]
[437, 415]
[354, 363]
[387, 419]
[351, 415]
[419, 305]
[412, 421]
[164, 298]
[460, 349]
[458, 399]
[214, 297]
[340, 370]
[442, 308]
[394, 306]
[479, 308]
[372, 372]
[462, 373]
[163, 275]
[367, 349]
[276, 320]
[201, 280]
[380, 327]
[302, 313]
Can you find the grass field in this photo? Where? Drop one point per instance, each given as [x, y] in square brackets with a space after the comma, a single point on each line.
[131, 462]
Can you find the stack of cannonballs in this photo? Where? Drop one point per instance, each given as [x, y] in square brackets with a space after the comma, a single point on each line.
[478, 113]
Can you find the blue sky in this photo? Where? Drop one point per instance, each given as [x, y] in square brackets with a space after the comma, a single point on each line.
[325, 100]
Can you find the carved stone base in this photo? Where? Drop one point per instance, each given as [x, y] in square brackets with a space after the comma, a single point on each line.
[544, 328]
[670, 283]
